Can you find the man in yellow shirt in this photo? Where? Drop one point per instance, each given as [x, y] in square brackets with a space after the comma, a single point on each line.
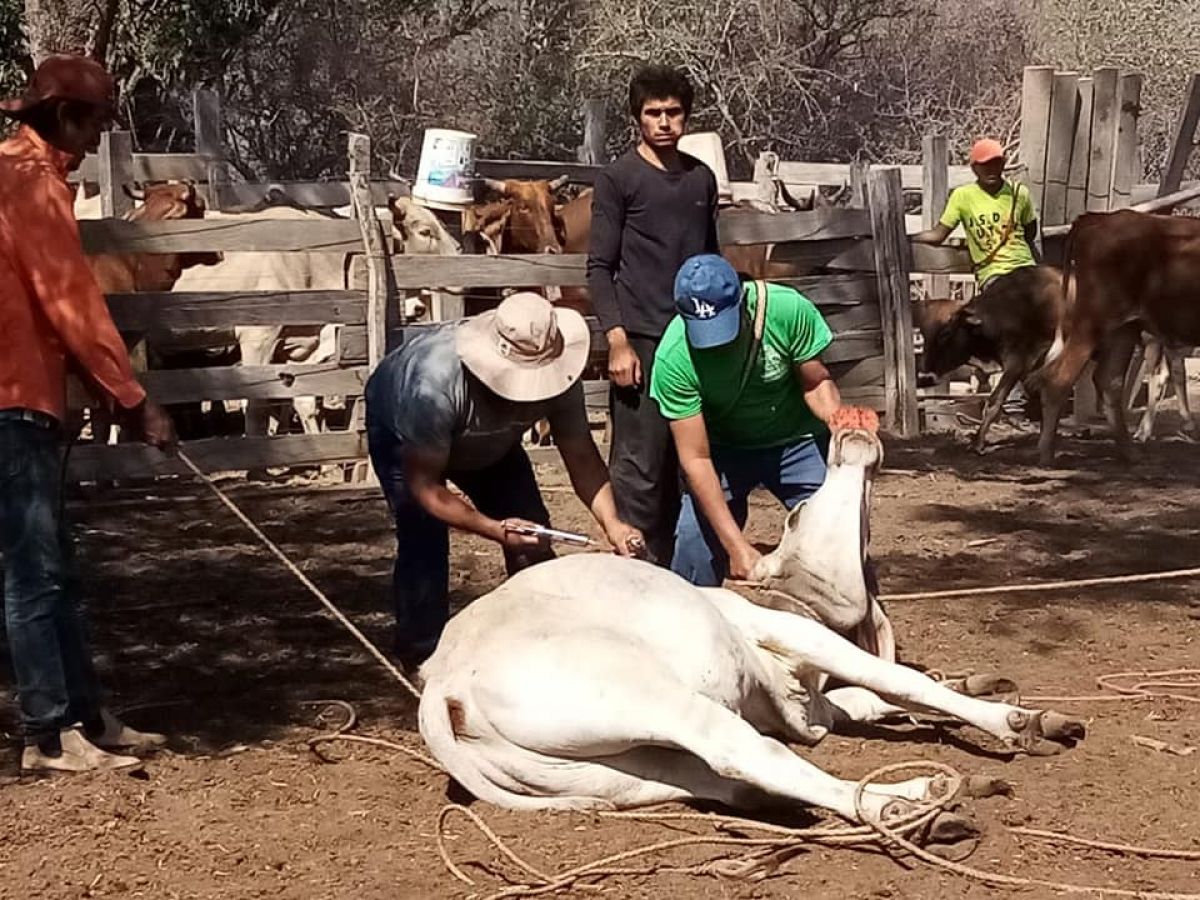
[1001, 226]
[997, 216]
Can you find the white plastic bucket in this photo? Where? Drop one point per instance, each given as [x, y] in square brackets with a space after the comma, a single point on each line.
[447, 167]
[706, 146]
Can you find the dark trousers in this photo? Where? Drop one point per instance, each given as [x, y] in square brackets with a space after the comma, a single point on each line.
[421, 576]
[47, 638]
[642, 462]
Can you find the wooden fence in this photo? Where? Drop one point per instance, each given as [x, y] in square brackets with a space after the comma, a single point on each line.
[854, 265]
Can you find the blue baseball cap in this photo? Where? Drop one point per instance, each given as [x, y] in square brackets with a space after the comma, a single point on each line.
[708, 295]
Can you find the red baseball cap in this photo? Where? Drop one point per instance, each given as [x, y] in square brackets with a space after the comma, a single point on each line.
[66, 76]
[986, 150]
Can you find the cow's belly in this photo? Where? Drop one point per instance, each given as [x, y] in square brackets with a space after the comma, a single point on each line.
[541, 617]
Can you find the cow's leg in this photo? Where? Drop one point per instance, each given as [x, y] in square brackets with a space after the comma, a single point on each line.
[1109, 379]
[815, 646]
[1142, 357]
[1059, 378]
[1156, 386]
[1177, 370]
[857, 704]
[654, 708]
[995, 403]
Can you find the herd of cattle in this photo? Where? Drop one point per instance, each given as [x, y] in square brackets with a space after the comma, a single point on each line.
[1125, 274]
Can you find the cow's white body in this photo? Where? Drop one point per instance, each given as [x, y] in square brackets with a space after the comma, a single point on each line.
[593, 681]
[279, 271]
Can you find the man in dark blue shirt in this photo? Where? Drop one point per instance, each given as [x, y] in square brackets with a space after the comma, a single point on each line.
[653, 208]
[452, 405]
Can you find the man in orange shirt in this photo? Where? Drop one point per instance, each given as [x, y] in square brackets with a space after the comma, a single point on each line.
[52, 315]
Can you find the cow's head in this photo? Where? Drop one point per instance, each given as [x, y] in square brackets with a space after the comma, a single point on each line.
[952, 331]
[821, 559]
[166, 202]
[420, 231]
[525, 220]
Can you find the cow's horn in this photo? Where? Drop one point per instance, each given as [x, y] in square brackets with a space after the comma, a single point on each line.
[133, 192]
[559, 182]
[398, 211]
[492, 184]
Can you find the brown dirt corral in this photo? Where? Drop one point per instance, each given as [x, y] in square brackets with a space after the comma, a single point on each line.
[207, 637]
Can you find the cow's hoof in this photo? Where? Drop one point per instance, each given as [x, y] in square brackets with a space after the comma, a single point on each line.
[980, 786]
[1042, 733]
[951, 836]
[987, 684]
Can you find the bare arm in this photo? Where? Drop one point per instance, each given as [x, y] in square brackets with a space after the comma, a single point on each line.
[935, 235]
[695, 458]
[820, 391]
[589, 478]
[425, 471]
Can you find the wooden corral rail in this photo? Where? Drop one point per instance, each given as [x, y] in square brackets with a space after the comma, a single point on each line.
[868, 311]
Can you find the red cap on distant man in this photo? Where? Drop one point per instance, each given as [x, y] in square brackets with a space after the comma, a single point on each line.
[66, 77]
[986, 150]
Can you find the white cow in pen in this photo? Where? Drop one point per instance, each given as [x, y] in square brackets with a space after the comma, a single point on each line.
[593, 681]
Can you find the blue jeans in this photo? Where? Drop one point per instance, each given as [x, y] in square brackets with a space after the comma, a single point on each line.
[421, 575]
[792, 473]
[56, 682]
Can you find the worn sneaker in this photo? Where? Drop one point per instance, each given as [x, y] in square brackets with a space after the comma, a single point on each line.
[113, 734]
[75, 754]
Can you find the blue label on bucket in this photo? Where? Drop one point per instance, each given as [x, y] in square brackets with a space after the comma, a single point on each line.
[448, 178]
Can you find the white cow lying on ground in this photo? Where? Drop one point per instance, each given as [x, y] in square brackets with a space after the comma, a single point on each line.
[593, 681]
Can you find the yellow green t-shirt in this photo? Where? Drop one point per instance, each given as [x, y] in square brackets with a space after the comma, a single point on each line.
[771, 411]
[984, 218]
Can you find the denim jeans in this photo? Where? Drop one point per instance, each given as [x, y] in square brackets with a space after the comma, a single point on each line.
[421, 575]
[792, 473]
[47, 638]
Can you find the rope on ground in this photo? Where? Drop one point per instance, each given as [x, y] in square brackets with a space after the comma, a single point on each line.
[759, 855]
[303, 579]
[1149, 687]
[1130, 849]
[1036, 587]
[888, 833]
[341, 733]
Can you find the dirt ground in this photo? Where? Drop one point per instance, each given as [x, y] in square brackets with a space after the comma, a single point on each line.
[201, 634]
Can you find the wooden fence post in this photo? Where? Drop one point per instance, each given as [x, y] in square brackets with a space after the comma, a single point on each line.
[210, 141]
[1126, 165]
[115, 166]
[373, 246]
[1081, 153]
[1104, 137]
[1185, 134]
[935, 190]
[1060, 135]
[592, 152]
[858, 184]
[1036, 90]
[886, 202]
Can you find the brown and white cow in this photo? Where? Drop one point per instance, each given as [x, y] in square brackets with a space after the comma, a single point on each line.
[1133, 272]
[1013, 323]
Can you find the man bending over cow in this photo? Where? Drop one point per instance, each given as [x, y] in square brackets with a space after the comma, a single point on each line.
[54, 315]
[652, 209]
[452, 405]
[738, 375]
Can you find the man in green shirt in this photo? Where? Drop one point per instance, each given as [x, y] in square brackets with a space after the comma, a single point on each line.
[997, 216]
[743, 411]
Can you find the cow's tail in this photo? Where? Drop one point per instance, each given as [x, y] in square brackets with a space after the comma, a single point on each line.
[463, 756]
[1035, 380]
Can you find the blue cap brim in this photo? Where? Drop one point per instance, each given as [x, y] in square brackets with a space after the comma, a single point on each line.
[721, 329]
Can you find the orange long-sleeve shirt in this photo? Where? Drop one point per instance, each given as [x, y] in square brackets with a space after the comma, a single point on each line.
[50, 305]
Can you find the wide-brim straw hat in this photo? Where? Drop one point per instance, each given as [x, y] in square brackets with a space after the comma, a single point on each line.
[525, 350]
